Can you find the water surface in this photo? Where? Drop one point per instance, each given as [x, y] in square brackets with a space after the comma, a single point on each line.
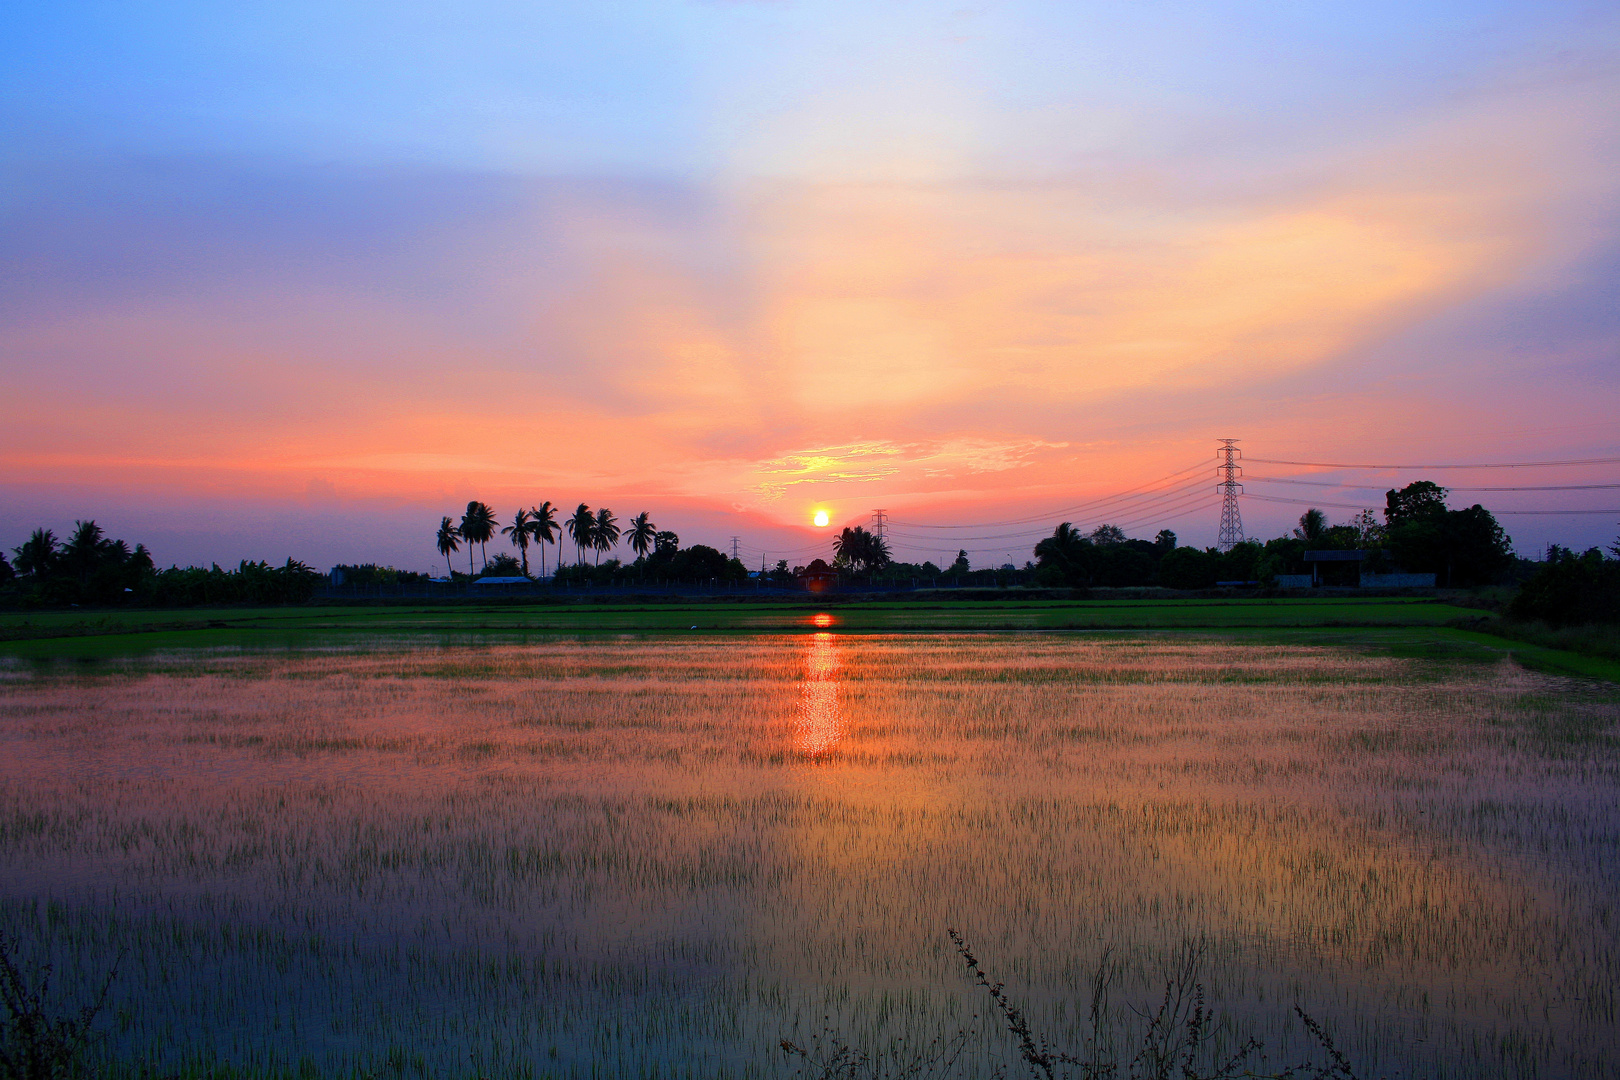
[630, 854]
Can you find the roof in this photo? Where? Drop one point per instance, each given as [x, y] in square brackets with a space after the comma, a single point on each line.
[501, 581]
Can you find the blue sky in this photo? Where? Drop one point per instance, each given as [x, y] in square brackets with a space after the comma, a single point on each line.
[303, 264]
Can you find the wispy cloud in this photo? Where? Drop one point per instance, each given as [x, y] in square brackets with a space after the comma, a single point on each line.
[858, 463]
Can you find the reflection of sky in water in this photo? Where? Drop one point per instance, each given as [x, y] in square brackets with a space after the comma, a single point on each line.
[820, 725]
[581, 856]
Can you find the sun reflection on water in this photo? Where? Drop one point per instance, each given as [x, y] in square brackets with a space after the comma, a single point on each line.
[820, 723]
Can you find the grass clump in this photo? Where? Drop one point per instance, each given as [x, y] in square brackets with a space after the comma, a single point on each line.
[1177, 1040]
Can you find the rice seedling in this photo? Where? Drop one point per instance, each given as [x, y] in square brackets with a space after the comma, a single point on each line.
[664, 856]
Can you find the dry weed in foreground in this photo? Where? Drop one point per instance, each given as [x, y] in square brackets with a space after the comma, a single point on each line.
[34, 1045]
[1175, 1041]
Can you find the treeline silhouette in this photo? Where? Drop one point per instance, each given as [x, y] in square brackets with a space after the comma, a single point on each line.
[1572, 590]
[659, 555]
[90, 568]
[1418, 534]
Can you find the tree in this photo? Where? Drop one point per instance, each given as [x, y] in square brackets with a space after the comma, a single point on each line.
[1369, 531]
[1064, 557]
[543, 526]
[1165, 541]
[519, 532]
[860, 550]
[478, 526]
[1108, 534]
[1460, 547]
[642, 534]
[1312, 525]
[582, 527]
[6, 572]
[1570, 589]
[606, 532]
[666, 541]
[1189, 568]
[1478, 550]
[1413, 502]
[84, 549]
[503, 565]
[37, 555]
[449, 542]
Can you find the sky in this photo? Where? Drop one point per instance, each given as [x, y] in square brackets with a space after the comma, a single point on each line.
[298, 279]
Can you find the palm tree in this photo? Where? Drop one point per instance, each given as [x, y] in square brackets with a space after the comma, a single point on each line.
[37, 554]
[1067, 549]
[478, 525]
[582, 527]
[1312, 525]
[860, 549]
[449, 541]
[606, 533]
[519, 532]
[642, 534]
[543, 527]
[84, 548]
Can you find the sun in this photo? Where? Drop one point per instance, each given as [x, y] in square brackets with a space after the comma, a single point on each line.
[821, 519]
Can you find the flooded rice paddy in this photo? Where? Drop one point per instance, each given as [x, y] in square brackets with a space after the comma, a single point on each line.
[663, 856]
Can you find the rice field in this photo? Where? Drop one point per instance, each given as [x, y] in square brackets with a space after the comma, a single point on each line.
[660, 856]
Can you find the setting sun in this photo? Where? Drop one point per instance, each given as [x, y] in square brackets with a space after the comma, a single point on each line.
[821, 519]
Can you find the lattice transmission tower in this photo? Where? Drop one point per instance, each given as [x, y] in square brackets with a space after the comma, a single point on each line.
[1231, 517]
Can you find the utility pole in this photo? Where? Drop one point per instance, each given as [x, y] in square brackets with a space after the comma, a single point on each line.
[880, 522]
[1231, 517]
[734, 542]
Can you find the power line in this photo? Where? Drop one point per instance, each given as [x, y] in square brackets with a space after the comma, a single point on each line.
[1170, 513]
[1305, 502]
[1129, 505]
[1475, 465]
[1354, 506]
[1169, 498]
[1058, 513]
[1519, 512]
[1369, 487]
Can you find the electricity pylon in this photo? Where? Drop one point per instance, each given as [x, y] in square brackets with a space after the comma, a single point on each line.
[1230, 489]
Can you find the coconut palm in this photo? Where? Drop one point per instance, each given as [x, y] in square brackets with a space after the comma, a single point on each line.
[642, 534]
[449, 541]
[606, 533]
[543, 527]
[1069, 550]
[38, 553]
[860, 549]
[519, 532]
[582, 527]
[477, 526]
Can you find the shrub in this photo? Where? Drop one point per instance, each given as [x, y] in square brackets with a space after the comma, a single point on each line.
[1571, 590]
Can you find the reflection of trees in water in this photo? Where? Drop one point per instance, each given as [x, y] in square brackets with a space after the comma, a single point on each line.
[820, 724]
